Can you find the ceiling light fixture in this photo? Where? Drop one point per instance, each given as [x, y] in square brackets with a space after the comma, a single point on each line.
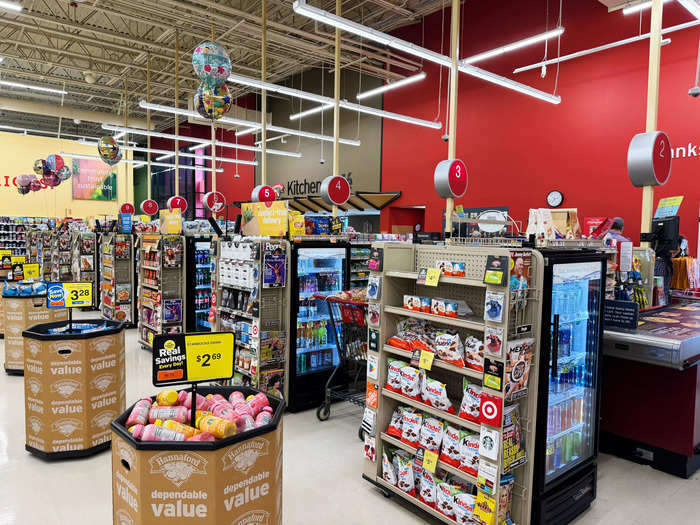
[692, 7]
[166, 154]
[302, 8]
[139, 162]
[283, 90]
[312, 111]
[11, 6]
[513, 46]
[19, 85]
[271, 139]
[636, 8]
[157, 134]
[394, 85]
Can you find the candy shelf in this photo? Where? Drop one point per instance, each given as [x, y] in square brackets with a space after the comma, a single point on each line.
[520, 319]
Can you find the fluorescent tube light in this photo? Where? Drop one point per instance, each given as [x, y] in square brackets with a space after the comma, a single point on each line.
[11, 6]
[692, 6]
[208, 157]
[248, 131]
[312, 111]
[638, 7]
[513, 46]
[283, 90]
[32, 87]
[2, 58]
[302, 8]
[139, 162]
[381, 89]
[271, 139]
[119, 135]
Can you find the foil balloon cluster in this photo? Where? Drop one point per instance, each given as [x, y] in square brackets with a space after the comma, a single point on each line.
[212, 65]
[50, 172]
[27, 183]
[109, 151]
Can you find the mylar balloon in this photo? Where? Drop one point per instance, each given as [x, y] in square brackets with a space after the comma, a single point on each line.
[54, 162]
[212, 102]
[64, 173]
[52, 180]
[24, 180]
[23, 190]
[35, 185]
[211, 63]
[40, 167]
[109, 150]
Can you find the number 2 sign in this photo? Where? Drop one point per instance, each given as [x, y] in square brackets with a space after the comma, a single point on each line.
[450, 179]
[649, 159]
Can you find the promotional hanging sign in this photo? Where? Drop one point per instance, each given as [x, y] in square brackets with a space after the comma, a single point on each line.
[214, 201]
[265, 218]
[190, 358]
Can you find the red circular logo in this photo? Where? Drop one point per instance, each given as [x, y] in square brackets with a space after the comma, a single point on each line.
[214, 201]
[338, 190]
[128, 208]
[457, 178]
[178, 202]
[149, 207]
[662, 158]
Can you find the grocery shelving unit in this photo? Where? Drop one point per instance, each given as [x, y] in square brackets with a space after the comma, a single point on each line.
[198, 287]
[13, 235]
[359, 257]
[117, 264]
[84, 261]
[521, 319]
[255, 310]
[61, 261]
[161, 288]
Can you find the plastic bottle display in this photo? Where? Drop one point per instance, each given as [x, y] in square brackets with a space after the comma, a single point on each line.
[220, 428]
[187, 430]
[176, 413]
[167, 398]
[156, 433]
[139, 414]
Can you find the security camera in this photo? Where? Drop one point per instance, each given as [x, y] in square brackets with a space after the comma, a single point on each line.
[236, 176]
[77, 121]
[322, 161]
[694, 91]
[445, 138]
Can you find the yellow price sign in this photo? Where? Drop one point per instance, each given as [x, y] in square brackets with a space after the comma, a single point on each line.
[77, 295]
[430, 460]
[31, 271]
[426, 360]
[18, 259]
[432, 277]
[209, 356]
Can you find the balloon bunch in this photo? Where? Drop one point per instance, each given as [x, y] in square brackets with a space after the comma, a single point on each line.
[109, 151]
[51, 173]
[212, 65]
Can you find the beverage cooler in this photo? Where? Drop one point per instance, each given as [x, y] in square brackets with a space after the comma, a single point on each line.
[318, 267]
[198, 261]
[566, 445]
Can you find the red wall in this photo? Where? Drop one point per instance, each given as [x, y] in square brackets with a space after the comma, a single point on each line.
[518, 148]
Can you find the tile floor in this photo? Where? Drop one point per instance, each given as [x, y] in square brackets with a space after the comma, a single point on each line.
[322, 480]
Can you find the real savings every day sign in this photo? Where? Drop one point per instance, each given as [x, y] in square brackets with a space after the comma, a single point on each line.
[93, 180]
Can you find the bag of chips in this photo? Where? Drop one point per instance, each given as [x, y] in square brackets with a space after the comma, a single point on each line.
[410, 426]
[474, 353]
[450, 452]
[404, 475]
[427, 488]
[411, 382]
[434, 393]
[388, 472]
[464, 508]
[470, 409]
[395, 425]
[444, 499]
[431, 434]
[469, 454]
[393, 376]
[449, 348]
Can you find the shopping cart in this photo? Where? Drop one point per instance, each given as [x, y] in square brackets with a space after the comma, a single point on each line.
[348, 381]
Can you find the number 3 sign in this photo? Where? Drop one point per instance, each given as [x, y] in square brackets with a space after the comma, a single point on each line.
[450, 179]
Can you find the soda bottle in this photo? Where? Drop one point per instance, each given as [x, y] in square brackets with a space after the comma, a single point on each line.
[324, 334]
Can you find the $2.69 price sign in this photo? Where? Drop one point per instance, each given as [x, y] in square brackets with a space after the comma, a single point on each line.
[183, 358]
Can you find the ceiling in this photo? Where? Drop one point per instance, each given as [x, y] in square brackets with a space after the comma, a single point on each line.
[95, 49]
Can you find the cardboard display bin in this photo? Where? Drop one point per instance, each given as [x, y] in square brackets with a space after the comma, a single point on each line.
[234, 481]
[74, 387]
[21, 312]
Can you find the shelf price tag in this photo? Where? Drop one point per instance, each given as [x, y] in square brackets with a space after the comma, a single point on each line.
[426, 360]
[432, 277]
[430, 460]
[76, 295]
[183, 358]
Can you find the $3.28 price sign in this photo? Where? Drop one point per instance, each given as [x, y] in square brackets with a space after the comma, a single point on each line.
[77, 294]
[185, 358]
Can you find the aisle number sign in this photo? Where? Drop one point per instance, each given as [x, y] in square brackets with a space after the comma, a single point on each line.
[192, 358]
[69, 295]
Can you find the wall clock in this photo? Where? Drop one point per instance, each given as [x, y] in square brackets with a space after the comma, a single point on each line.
[555, 198]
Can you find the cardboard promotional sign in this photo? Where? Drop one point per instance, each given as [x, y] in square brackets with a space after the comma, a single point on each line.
[265, 218]
[6, 258]
[183, 358]
[69, 295]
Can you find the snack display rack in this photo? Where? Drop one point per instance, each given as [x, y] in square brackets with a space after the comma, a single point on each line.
[13, 234]
[521, 320]
[252, 299]
[161, 286]
[84, 261]
[359, 257]
[198, 287]
[117, 264]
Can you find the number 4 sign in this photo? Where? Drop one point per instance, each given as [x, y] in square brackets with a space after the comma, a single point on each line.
[335, 190]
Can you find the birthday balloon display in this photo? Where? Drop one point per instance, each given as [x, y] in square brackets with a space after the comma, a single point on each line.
[23, 190]
[35, 185]
[52, 180]
[64, 173]
[211, 63]
[24, 180]
[109, 150]
[212, 102]
[54, 162]
[40, 167]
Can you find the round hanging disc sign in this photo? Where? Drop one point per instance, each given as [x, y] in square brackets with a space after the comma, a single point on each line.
[335, 190]
[177, 202]
[263, 194]
[127, 208]
[214, 201]
[149, 207]
[450, 179]
[649, 159]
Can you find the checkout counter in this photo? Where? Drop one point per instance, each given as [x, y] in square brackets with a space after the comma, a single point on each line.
[650, 405]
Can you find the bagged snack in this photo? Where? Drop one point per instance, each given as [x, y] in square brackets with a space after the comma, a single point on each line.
[434, 393]
[396, 424]
[411, 382]
[410, 426]
[464, 508]
[431, 434]
[388, 472]
[421, 342]
[399, 342]
[450, 452]
[474, 353]
[449, 348]
[469, 454]
[459, 484]
[427, 488]
[470, 408]
[444, 499]
[393, 376]
[404, 475]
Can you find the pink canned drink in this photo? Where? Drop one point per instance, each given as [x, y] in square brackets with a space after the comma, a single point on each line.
[139, 414]
[179, 414]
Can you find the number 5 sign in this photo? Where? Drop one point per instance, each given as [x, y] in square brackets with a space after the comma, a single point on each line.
[450, 179]
[263, 194]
